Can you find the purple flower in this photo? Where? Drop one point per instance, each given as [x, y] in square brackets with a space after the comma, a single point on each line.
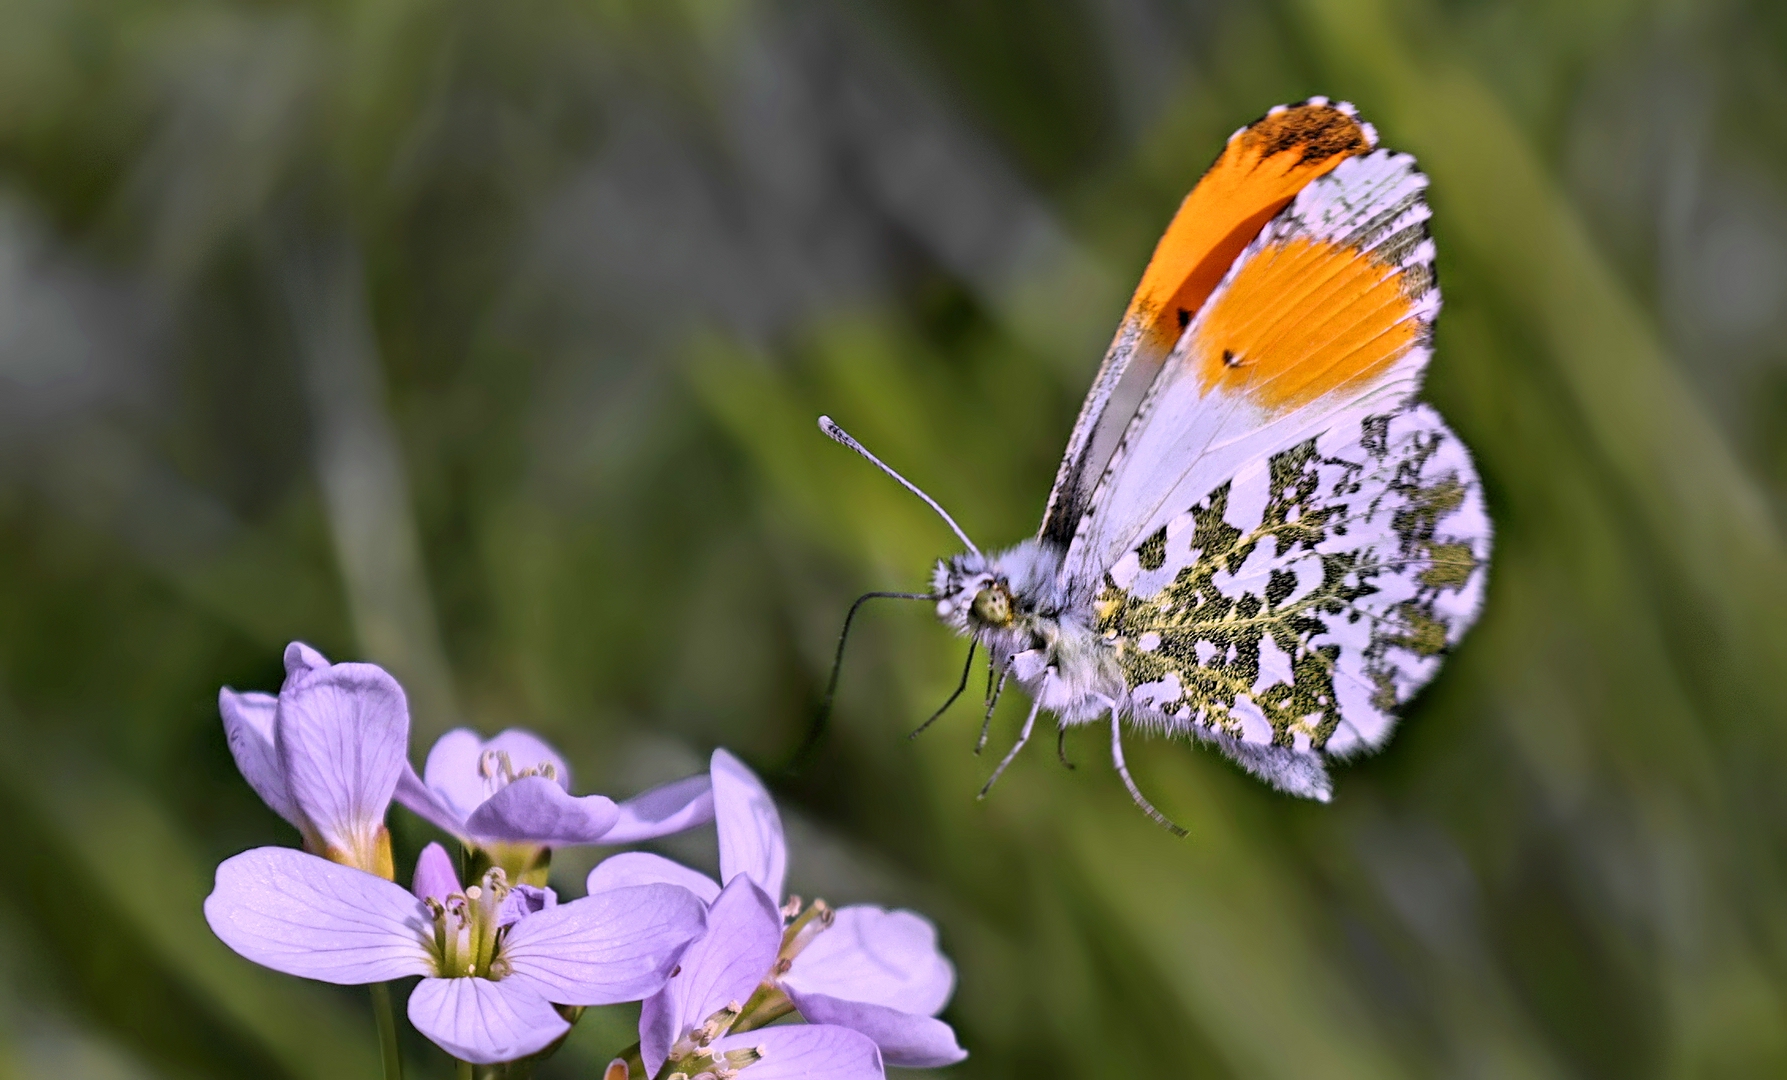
[694, 1021]
[511, 796]
[325, 754]
[861, 967]
[494, 959]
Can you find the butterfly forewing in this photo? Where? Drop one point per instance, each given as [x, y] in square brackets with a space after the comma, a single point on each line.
[1325, 318]
[1262, 168]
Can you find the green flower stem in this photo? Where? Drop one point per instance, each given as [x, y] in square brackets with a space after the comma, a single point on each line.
[463, 1071]
[766, 1006]
[387, 1030]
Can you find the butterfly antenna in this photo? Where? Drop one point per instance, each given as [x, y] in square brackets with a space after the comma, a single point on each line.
[832, 429]
[817, 731]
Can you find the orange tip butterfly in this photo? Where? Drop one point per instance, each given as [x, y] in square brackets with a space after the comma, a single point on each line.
[1257, 536]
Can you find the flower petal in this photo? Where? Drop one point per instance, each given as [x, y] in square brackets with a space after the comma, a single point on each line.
[749, 827]
[882, 957]
[616, 946]
[342, 732]
[301, 660]
[807, 1052]
[461, 777]
[912, 1040]
[451, 773]
[721, 967]
[644, 868]
[665, 809]
[534, 810]
[525, 900]
[435, 877]
[485, 1022]
[429, 805]
[248, 726]
[302, 915]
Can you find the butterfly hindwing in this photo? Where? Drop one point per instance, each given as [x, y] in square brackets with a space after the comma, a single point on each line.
[1292, 610]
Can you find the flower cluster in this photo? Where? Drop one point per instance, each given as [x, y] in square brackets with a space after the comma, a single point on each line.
[505, 966]
[862, 977]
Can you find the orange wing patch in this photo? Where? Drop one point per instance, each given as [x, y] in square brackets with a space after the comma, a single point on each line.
[1303, 319]
[1265, 167]
[1261, 170]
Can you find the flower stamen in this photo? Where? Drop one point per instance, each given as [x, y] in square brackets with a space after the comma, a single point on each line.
[496, 765]
[467, 931]
[695, 1060]
[803, 927]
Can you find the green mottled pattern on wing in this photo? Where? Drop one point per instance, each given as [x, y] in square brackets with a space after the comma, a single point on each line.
[1372, 566]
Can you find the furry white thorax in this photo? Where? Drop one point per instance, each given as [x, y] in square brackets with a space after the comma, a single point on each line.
[1049, 643]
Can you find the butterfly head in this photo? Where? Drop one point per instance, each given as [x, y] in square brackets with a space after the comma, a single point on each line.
[978, 594]
[971, 596]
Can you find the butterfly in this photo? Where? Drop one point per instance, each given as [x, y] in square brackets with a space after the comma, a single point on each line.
[1258, 537]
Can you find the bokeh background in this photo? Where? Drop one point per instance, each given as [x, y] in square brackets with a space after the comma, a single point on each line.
[484, 339]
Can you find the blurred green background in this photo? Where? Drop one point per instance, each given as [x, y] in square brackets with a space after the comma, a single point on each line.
[484, 340]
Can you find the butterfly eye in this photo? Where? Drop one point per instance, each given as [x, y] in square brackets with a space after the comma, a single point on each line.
[992, 605]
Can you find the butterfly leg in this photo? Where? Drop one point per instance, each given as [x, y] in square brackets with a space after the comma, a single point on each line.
[961, 686]
[986, 722]
[1061, 745]
[1023, 737]
[1129, 782]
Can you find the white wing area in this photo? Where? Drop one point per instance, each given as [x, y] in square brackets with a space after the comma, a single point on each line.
[1189, 436]
[1289, 612]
